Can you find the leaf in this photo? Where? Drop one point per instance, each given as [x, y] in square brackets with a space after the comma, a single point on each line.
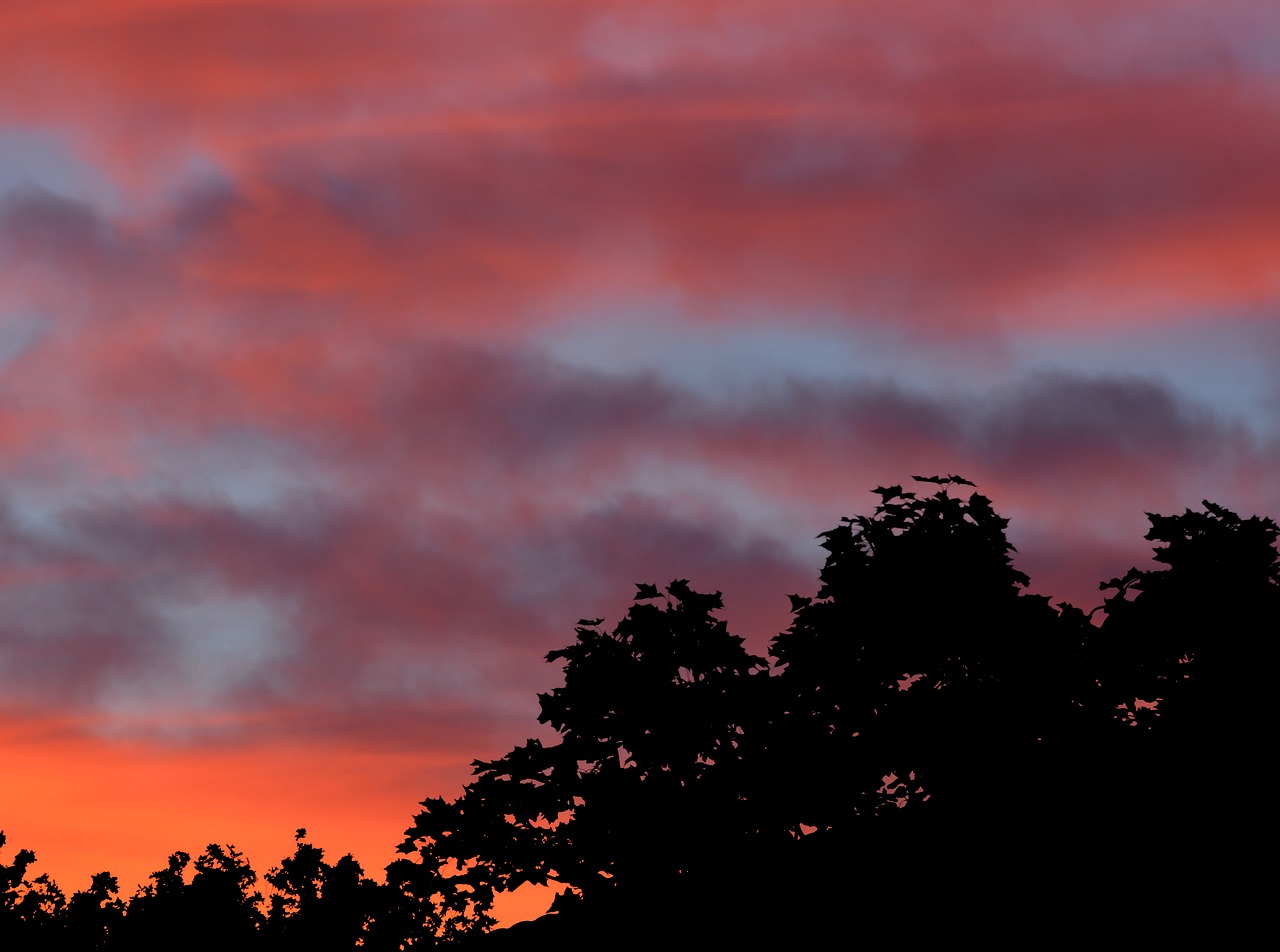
[944, 480]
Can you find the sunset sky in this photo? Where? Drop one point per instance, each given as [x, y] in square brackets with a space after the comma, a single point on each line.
[352, 350]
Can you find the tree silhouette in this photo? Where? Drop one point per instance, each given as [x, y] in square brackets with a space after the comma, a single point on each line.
[211, 903]
[927, 727]
[93, 916]
[219, 898]
[931, 745]
[1188, 635]
[28, 907]
[644, 786]
[161, 908]
[921, 703]
[1183, 655]
[318, 906]
[920, 669]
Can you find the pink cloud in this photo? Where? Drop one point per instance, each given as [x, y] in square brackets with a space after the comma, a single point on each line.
[470, 167]
[292, 481]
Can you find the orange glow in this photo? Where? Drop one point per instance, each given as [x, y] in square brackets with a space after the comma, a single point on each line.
[86, 804]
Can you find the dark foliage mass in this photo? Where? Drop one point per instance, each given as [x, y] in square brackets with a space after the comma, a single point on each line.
[928, 751]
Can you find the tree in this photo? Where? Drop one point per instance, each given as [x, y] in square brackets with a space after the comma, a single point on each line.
[218, 902]
[29, 908]
[93, 917]
[320, 906]
[931, 742]
[643, 791]
[1198, 625]
[920, 682]
[1182, 655]
[923, 682]
[922, 673]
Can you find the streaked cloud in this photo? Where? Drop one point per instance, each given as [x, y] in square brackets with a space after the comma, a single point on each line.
[350, 352]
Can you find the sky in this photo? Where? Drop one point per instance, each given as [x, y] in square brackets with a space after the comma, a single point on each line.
[352, 350]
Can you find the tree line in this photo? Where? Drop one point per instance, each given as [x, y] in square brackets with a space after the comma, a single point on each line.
[927, 748]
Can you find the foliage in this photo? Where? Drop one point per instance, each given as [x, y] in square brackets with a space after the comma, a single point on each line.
[93, 916]
[28, 906]
[212, 903]
[921, 672]
[1197, 619]
[219, 894]
[925, 720]
[922, 689]
[1183, 654]
[642, 784]
[319, 906]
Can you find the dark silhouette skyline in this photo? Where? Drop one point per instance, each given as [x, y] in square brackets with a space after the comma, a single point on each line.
[927, 744]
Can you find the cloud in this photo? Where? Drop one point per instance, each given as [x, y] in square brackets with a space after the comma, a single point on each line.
[470, 503]
[350, 352]
[466, 163]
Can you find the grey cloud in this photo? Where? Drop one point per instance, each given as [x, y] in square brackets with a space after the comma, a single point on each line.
[1107, 422]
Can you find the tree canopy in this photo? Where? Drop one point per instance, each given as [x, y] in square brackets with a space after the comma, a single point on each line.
[922, 704]
[927, 741]
[644, 788]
